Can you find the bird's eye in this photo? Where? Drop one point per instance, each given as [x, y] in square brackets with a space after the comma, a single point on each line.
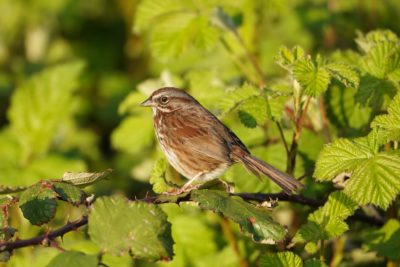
[164, 100]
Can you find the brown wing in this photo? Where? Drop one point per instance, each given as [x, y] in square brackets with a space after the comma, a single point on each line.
[198, 134]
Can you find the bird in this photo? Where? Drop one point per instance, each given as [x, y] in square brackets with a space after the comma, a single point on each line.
[199, 146]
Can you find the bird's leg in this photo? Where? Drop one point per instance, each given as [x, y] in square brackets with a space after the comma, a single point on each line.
[187, 186]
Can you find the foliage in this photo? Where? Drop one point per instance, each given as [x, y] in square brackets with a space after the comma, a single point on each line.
[73, 258]
[328, 221]
[142, 229]
[253, 220]
[310, 87]
[385, 240]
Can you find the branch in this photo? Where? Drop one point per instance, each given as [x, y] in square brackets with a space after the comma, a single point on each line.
[11, 245]
[299, 119]
[259, 197]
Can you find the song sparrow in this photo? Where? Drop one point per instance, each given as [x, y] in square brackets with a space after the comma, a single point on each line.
[198, 145]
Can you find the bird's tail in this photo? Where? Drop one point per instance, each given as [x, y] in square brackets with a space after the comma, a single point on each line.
[284, 180]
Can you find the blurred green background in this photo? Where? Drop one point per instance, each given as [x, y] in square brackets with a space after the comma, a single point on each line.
[72, 73]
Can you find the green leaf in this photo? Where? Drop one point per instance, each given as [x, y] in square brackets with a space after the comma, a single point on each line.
[344, 112]
[376, 180]
[276, 104]
[314, 263]
[130, 138]
[38, 203]
[210, 79]
[374, 92]
[84, 178]
[311, 248]
[382, 60]
[253, 111]
[343, 155]
[235, 98]
[286, 57]
[247, 119]
[386, 240]
[253, 220]
[313, 78]
[178, 34]
[281, 259]
[117, 225]
[194, 235]
[41, 105]
[74, 258]
[374, 176]
[344, 74]
[373, 38]
[390, 122]
[150, 12]
[328, 221]
[157, 179]
[69, 192]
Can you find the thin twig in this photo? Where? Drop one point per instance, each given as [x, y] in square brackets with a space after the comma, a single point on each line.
[260, 197]
[282, 137]
[230, 236]
[237, 61]
[11, 245]
[299, 120]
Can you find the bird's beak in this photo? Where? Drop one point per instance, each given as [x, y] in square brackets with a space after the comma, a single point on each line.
[147, 103]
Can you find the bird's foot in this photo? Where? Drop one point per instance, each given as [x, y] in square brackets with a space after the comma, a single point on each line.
[183, 189]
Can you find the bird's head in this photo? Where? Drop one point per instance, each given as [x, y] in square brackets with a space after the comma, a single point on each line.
[169, 99]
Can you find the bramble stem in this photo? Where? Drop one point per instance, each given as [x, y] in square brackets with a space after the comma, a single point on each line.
[258, 197]
[298, 126]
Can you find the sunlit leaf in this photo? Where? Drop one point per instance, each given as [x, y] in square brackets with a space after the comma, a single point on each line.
[376, 180]
[390, 122]
[281, 259]
[150, 12]
[130, 138]
[253, 111]
[85, 178]
[344, 73]
[286, 57]
[374, 176]
[343, 155]
[328, 221]
[157, 178]
[117, 225]
[313, 78]
[181, 33]
[40, 106]
[233, 99]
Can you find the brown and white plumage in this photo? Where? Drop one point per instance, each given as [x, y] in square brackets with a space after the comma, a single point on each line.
[198, 145]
